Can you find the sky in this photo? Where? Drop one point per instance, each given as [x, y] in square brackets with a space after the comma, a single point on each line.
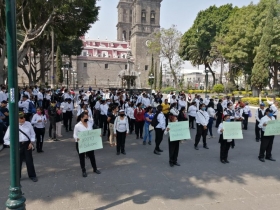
[181, 13]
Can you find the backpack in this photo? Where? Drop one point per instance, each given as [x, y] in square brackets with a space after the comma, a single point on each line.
[155, 122]
[31, 108]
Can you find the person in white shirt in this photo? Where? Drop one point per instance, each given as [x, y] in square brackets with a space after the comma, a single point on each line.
[260, 113]
[159, 129]
[24, 106]
[67, 109]
[246, 113]
[182, 102]
[266, 141]
[173, 99]
[131, 118]
[197, 101]
[84, 107]
[146, 101]
[273, 106]
[26, 141]
[173, 145]
[3, 96]
[229, 111]
[206, 100]
[225, 102]
[225, 143]
[39, 121]
[84, 125]
[121, 129]
[192, 114]
[103, 116]
[212, 115]
[40, 98]
[202, 119]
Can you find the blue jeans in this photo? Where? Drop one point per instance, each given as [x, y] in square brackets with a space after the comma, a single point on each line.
[147, 132]
[210, 124]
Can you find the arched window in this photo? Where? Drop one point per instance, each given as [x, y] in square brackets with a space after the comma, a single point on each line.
[153, 17]
[124, 35]
[143, 16]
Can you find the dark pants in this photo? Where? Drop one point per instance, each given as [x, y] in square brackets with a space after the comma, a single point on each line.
[121, 141]
[103, 123]
[257, 130]
[173, 151]
[139, 128]
[27, 156]
[67, 120]
[96, 117]
[224, 149]
[200, 131]
[166, 119]
[52, 128]
[191, 122]
[245, 121]
[219, 119]
[40, 133]
[266, 146]
[131, 125]
[210, 124]
[159, 134]
[82, 157]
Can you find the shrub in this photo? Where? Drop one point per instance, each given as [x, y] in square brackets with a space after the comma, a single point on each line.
[218, 88]
[255, 100]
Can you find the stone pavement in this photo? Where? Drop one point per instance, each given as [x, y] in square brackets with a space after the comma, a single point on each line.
[142, 180]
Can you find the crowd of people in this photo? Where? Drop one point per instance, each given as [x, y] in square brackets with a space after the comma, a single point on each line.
[119, 113]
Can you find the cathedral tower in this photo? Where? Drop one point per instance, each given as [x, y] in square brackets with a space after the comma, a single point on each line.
[137, 20]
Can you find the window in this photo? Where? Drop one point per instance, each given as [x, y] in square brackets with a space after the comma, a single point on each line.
[84, 53]
[85, 65]
[130, 16]
[125, 66]
[143, 16]
[124, 35]
[106, 66]
[153, 17]
[146, 67]
[124, 15]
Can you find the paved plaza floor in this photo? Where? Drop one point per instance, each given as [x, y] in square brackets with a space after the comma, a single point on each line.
[143, 180]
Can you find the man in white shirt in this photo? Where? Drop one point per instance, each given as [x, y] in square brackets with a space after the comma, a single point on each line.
[260, 113]
[266, 141]
[67, 110]
[24, 105]
[26, 143]
[206, 100]
[3, 96]
[103, 116]
[146, 101]
[159, 129]
[182, 103]
[40, 98]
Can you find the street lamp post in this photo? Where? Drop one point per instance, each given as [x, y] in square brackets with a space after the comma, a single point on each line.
[67, 67]
[206, 80]
[16, 200]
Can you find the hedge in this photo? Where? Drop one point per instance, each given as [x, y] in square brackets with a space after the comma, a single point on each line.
[255, 100]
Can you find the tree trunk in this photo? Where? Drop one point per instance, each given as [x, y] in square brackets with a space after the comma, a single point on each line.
[275, 75]
[2, 64]
[173, 73]
[222, 70]
[213, 73]
[42, 64]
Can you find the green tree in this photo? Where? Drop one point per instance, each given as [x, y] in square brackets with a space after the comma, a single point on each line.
[59, 72]
[155, 80]
[160, 78]
[260, 72]
[151, 73]
[73, 46]
[218, 88]
[165, 43]
[196, 43]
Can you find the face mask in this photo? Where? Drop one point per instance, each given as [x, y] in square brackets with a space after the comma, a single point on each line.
[85, 120]
[270, 114]
[122, 115]
[108, 103]
[203, 108]
[228, 120]
[39, 113]
[52, 104]
[20, 124]
[142, 107]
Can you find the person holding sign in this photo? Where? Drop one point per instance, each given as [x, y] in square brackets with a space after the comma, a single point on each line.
[225, 143]
[121, 129]
[202, 120]
[173, 145]
[84, 125]
[266, 141]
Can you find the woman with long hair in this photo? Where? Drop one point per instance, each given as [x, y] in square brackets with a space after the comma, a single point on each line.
[111, 120]
[121, 130]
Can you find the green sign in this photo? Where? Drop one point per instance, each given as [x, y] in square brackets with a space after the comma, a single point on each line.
[232, 130]
[90, 140]
[179, 131]
[272, 128]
